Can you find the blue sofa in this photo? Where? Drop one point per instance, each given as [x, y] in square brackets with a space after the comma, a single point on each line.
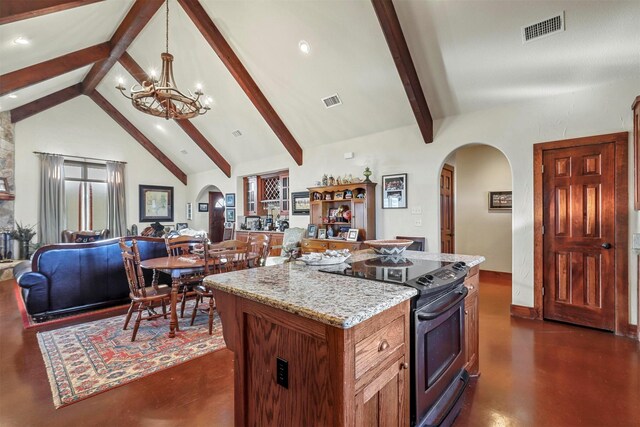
[69, 277]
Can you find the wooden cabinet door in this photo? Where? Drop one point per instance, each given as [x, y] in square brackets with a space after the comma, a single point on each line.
[383, 402]
[276, 240]
[312, 245]
[251, 195]
[447, 215]
[471, 332]
[579, 234]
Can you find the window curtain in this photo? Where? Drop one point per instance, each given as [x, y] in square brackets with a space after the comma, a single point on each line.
[116, 202]
[52, 201]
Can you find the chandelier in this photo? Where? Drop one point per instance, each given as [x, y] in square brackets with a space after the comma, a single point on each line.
[161, 98]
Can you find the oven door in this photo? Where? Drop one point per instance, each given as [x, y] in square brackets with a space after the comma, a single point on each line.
[438, 355]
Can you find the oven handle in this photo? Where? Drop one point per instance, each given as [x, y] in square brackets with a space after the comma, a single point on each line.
[430, 315]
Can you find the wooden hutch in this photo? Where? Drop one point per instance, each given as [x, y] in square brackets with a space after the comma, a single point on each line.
[359, 198]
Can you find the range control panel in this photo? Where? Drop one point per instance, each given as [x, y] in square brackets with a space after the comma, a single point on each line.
[440, 277]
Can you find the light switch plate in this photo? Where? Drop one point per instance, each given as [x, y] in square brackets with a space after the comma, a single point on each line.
[636, 241]
[417, 222]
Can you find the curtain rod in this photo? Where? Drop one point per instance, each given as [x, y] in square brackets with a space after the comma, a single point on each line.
[80, 157]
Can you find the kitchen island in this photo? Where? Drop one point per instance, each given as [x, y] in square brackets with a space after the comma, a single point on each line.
[313, 348]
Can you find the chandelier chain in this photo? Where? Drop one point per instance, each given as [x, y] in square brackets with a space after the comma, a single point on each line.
[167, 29]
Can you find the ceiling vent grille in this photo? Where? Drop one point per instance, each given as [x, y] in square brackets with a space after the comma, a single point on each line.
[332, 101]
[236, 133]
[544, 28]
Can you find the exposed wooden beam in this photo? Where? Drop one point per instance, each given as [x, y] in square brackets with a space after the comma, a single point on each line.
[17, 10]
[139, 14]
[37, 73]
[138, 136]
[44, 103]
[402, 57]
[140, 75]
[216, 40]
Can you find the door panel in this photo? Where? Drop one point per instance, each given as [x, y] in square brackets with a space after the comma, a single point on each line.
[578, 220]
[216, 216]
[447, 213]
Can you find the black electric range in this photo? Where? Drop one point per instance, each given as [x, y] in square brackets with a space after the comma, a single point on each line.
[431, 279]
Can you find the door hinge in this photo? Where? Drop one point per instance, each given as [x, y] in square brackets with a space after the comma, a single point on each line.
[542, 168]
[543, 229]
[543, 291]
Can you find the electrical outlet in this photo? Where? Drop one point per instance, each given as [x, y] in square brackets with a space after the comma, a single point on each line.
[417, 222]
[282, 372]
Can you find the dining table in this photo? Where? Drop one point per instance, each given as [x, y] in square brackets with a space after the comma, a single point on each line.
[176, 266]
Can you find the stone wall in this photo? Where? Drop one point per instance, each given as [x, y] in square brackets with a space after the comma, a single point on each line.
[7, 169]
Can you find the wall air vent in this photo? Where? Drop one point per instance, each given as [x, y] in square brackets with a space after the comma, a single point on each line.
[544, 28]
[332, 101]
[236, 133]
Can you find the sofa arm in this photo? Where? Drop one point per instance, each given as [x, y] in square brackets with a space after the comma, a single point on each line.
[35, 292]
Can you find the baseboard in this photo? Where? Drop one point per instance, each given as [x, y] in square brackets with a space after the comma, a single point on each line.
[500, 277]
[632, 332]
[523, 312]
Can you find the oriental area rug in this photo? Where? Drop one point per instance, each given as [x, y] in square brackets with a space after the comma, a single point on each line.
[94, 357]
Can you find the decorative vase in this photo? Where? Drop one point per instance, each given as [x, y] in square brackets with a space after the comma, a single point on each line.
[23, 249]
[367, 174]
[325, 180]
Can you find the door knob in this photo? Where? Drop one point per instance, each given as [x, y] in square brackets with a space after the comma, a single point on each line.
[606, 245]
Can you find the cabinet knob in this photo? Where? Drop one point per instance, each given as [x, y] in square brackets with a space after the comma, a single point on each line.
[466, 312]
[470, 287]
[383, 345]
[404, 365]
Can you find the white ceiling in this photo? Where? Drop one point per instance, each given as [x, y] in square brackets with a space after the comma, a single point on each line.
[469, 56]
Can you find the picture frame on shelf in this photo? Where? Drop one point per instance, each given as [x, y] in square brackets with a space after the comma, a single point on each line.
[352, 235]
[203, 207]
[300, 203]
[155, 203]
[230, 200]
[189, 211]
[322, 233]
[500, 201]
[230, 215]
[181, 226]
[332, 214]
[394, 191]
[339, 195]
[4, 185]
[348, 194]
[311, 231]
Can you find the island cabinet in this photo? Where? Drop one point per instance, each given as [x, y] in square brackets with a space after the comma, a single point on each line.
[296, 371]
[472, 335]
[276, 239]
[321, 245]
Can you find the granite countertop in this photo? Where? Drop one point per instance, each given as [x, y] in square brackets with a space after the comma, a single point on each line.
[335, 300]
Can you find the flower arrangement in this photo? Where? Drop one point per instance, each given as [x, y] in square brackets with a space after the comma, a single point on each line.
[23, 233]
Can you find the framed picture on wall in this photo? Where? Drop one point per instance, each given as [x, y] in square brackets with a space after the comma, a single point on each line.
[300, 203]
[230, 215]
[203, 207]
[500, 201]
[230, 200]
[189, 211]
[155, 203]
[394, 191]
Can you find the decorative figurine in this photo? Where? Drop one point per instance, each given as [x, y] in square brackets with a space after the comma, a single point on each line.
[325, 181]
[332, 181]
[339, 180]
[329, 232]
[367, 174]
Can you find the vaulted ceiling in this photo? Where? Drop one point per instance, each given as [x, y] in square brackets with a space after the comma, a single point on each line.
[468, 56]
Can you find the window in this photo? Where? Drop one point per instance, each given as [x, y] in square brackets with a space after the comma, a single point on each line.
[86, 195]
[267, 194]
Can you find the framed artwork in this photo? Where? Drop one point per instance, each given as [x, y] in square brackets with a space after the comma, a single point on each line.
[203, 207]
[394, 191]
[4, 186]
[500, 201]
[181, 226]
[156, 203]
[230, 200]
[230, 215]
[189, 211]
[311, 231]
[339, 195]
[300, 203]
[352, 235]
[322, 233]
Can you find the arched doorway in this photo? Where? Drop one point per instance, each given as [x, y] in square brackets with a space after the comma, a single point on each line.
[475, 207]
[211, 212]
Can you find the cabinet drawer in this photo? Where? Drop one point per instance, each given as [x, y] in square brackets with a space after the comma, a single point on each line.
[309, 245]
[378, 346]
[342, 245]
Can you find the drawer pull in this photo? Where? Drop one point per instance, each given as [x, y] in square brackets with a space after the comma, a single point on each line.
[404, 365]
[384, 344]
[466, 312]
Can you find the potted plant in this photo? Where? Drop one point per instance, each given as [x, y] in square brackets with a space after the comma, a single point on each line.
[23, 234]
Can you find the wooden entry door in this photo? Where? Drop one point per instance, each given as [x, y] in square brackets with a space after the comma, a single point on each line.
[216, 216]
[447, 217]
[579, 235]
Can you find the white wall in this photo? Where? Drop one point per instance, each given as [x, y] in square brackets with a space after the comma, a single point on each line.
[80, 128]
[513, 129]
[480, 169]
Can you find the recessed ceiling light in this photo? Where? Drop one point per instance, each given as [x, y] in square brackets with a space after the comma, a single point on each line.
[159, 127]
[304, 47]
[13, 96]
[21, 41]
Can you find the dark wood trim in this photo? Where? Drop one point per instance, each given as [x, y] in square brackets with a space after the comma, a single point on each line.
[500, 277]
[635, 108]
[44, 103]
[392, 30]
[17, 10]
[140, 75]
[138, 136]
[621, 141]
[137, 17]
[216, 40]
[37, 73]
[524, 312]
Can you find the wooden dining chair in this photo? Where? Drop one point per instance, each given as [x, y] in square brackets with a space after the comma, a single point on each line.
[188, 246]
[259, 244]
[143, 297]
[223, 257]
